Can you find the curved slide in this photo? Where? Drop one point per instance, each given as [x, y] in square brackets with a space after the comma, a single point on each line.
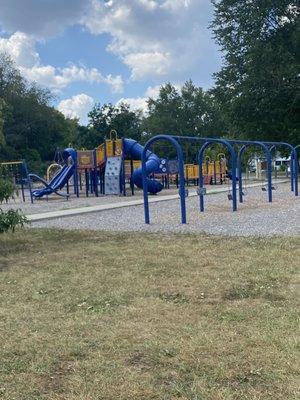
[60, 179]
[134, 149]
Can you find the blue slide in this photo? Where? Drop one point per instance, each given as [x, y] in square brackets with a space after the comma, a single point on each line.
[60, 179]
[134, 149]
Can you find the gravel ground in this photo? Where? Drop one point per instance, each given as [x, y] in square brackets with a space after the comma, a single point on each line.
[55, 203]
[254, 217]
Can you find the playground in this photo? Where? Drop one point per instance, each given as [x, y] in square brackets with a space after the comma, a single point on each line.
[159, 278]
[191, 186]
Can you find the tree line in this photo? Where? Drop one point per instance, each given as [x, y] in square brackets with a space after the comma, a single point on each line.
[255, 96]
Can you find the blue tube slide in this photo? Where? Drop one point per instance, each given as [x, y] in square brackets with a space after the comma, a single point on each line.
[134, 149]
[61, 178]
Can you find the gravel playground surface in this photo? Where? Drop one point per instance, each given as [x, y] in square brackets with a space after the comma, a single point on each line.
[55, 203]
[255, 217]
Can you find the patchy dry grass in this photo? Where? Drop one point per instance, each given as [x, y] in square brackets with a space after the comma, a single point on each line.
[100, 316]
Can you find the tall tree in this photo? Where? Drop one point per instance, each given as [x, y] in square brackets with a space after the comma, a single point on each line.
[2, 141]
[31, 127]
[258, 86]
[109, 117]
[189, 111]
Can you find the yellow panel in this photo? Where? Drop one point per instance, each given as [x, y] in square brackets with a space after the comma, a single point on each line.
[137, 164]
[189, 171]
[196, 171]
[85, 159]
[109, 148]
[100, 154]
[118, 147]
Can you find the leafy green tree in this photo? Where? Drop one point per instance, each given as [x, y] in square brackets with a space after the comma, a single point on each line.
[31, 127]
[258, 86]
[2, 141]
[103, 119]
[189, 111]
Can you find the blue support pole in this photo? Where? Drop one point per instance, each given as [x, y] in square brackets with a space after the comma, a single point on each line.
[296, 168]
[75, 178]
[201, 183]
[179, 151]
[239, 168]
[28, 180]
[233, 168]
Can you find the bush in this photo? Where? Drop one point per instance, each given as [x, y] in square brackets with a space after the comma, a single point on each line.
[7, 189]
[10, 219]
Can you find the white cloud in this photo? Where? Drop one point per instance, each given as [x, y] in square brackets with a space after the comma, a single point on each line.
[77, 106]
[152, 91]
[135, 103]
[140, 103]
[21, 48]
[147, 64]
[158, 38]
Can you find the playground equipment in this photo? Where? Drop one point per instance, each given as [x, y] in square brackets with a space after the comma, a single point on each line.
[235, 162]
[60, 179]
[103, 170]
[114, 162]
[108, 169]
[119, 163]
[214, 171]
[52, 170]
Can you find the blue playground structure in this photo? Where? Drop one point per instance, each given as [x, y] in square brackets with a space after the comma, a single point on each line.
[153, 165]
[104, 171]
[60, 179]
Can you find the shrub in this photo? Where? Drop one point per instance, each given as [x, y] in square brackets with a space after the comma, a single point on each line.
[10, 219]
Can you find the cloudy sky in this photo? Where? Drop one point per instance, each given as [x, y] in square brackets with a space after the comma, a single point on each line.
[89, 51]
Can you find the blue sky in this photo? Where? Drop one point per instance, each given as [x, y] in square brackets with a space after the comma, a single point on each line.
[89, 51]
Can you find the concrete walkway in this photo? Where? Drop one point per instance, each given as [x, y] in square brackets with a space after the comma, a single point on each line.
[121, 204]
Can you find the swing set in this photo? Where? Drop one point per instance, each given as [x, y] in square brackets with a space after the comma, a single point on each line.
[235, 149]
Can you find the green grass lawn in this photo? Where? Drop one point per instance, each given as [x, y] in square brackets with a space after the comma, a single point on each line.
[88, 315]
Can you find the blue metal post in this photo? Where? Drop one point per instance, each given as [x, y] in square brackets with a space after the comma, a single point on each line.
[296, 168]
[180, 170]
[28, 180]
[233, 167]
[75, 178]
[239, 168]
[201, 183]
